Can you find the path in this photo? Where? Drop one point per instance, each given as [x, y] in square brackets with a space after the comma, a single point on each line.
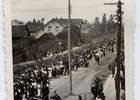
[81, 80]
[109, 88]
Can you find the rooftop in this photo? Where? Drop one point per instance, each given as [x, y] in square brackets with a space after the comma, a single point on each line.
[19, 31]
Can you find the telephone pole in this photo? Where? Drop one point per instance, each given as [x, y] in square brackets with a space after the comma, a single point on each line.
[119, 14]
[69, 44]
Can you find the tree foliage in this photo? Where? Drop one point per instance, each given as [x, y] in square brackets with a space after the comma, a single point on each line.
[111, 19]
[75, 34]
[110, 24]
[32, 39]
[104, 19]
[97, 21]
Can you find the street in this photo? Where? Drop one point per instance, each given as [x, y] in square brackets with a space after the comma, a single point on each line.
[81, 79]
[67, 50]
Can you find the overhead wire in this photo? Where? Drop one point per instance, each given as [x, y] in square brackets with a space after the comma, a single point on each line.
[38, 48]
[53, 9]
[17, 43]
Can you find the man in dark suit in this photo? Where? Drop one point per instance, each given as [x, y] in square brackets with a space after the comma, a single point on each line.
[45, 92]
[100, 87]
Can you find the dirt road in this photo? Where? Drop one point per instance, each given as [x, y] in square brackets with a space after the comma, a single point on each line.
[82, 80]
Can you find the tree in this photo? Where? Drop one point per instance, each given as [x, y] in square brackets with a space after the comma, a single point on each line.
[75, 34]
[17, 22]
[38, 22]
[111, 23]
[42, 20]
[96, 21]
[95, 25]
[32, 39]
[20, 22]
[111, 19]
[104, 19]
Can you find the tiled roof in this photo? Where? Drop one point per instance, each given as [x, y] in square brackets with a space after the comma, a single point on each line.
[19, 31]
[47, 36]
[46, 39]
[33, 27]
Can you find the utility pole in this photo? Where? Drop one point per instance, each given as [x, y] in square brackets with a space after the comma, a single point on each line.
[119, 14]
[69, 44]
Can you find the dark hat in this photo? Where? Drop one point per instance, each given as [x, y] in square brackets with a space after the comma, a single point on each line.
[79, 96]
[55, 92]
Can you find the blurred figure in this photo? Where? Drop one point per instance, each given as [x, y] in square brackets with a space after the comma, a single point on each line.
[80, 97]
[45, 92]
[94, 89]
[56, 96]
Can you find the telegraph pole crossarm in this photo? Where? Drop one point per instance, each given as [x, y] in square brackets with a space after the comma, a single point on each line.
[110, 3]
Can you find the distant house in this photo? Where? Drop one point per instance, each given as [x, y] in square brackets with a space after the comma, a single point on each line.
[20, 42]
[17, 22]
[84, 29]
[56, 26]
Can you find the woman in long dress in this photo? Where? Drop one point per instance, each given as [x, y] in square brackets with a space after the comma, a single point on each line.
[61, 68]
[50, 72]
[38, 90]
[58, 70]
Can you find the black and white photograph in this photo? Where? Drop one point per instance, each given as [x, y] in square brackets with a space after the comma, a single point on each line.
[68, 49]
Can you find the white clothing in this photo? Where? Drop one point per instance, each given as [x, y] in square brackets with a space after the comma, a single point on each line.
[34, 84]
[50, 72]
[23, 98]
[51, 55]
[38, 90]
[115, 70]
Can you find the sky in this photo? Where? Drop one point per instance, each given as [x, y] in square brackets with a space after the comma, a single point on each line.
[27, 10]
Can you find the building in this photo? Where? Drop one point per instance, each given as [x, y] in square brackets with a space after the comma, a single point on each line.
[20, 42]
[84, 29]
[55, 26]
[48, 42]
[34, 26]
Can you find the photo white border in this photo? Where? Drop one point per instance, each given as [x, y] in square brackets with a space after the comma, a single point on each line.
[129, 27]
[129, 48]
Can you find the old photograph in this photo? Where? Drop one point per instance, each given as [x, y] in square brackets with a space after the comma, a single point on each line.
[68, 49]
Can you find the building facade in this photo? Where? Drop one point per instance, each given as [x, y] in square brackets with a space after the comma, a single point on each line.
[20, 43]
[55, 26]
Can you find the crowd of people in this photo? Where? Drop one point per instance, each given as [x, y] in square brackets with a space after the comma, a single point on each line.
[35, 80]
[113, 70]
[38, 56]
[97, 87]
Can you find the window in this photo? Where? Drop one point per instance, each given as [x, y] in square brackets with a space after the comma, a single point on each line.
[42, 29]
[49, 28]
[57, 28]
